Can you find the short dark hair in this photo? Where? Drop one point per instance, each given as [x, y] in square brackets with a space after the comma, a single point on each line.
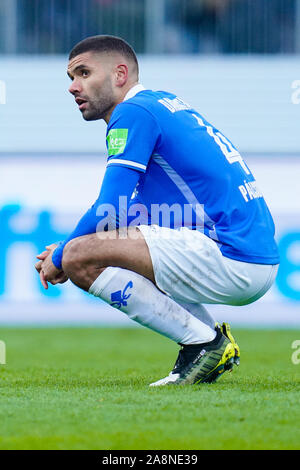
[105, 43]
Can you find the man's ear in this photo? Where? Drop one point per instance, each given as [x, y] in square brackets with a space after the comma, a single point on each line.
[121, 74]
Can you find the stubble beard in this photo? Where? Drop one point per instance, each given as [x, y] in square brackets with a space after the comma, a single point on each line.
[99, 106]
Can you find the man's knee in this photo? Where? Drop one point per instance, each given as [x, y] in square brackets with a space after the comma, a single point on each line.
[78, 265]
[85, 257]
[72, 255]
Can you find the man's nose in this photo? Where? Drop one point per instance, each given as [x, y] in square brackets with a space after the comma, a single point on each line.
[75, 87]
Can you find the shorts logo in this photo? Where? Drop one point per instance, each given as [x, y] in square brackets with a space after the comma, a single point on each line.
[119, 298]
[116, 141]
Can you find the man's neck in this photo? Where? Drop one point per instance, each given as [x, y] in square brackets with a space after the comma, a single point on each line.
[130, 92]
[133, 90]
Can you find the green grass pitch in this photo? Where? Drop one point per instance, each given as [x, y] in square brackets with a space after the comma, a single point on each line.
[87, 388]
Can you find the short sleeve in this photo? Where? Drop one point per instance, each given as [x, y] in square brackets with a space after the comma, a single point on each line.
[132, 136]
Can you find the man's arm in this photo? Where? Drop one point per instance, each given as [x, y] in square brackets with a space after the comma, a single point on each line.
[132, 135]
[118, 181]
[131, 138]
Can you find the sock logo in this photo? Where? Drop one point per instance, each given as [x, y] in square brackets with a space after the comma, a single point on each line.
[119, 298]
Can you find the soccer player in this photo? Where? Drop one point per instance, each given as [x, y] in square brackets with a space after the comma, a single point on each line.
[179, 221]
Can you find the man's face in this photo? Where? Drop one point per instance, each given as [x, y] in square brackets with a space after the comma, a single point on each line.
[92, 84]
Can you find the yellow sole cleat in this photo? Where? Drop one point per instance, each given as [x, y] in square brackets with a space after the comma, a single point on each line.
[204, 363]
[225, 328]
[231, 355]
[225, 364]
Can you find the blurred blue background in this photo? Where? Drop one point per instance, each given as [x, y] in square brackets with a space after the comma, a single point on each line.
[236, 61]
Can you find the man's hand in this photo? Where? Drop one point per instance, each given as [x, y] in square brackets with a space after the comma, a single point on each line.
[46, 269]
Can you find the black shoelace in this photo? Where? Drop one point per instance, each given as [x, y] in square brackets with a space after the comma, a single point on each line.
[185, 355]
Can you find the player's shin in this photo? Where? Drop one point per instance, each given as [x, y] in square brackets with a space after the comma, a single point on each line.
[200, 312]
[144, 303]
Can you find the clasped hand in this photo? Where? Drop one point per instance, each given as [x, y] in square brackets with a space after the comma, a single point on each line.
[46, 269]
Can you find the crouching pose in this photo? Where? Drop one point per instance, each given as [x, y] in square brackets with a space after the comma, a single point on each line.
[179, 221]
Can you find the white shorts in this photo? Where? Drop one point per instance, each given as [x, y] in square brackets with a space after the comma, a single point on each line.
[189, 267]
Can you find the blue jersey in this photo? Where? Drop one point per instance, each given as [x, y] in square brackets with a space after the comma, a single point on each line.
[175, 169]
[190, 167]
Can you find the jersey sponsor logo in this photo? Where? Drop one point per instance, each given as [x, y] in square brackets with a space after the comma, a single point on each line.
[116, 141]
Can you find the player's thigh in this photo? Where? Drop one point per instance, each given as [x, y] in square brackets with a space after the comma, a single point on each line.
[189, 267]
[125, 248]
